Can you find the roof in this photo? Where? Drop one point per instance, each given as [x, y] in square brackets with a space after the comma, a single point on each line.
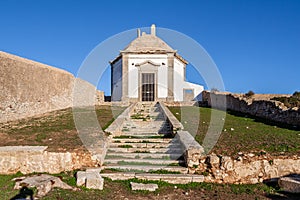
[148, 43]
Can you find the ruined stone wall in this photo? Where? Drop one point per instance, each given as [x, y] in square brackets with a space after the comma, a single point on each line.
[246, 168]
[258, 105]
[29, 159]
[28, 88]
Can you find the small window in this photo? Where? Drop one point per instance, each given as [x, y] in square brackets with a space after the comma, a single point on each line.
[188, 91]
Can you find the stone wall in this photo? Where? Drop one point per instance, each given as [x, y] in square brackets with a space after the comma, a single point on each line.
[246, 168]
[116, 126]
[29, 159]
[258, 105]
[28, 88]
[170, 118]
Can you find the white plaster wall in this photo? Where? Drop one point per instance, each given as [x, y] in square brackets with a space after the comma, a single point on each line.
[162, 81]
[178, 80]
[180, 84]
[162, 73]
[133, 80]
[197, 89]
[117, 81]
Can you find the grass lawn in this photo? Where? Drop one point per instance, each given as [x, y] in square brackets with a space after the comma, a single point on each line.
[240, 133]
[55, 130]
[121, 190]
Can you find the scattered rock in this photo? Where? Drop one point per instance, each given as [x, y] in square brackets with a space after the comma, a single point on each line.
[141, 186]
[44, 183]
[251, 155]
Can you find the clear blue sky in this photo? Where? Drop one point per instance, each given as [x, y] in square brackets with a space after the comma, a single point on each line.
[255, 44]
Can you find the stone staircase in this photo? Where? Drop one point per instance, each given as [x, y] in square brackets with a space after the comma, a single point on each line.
[146, 149]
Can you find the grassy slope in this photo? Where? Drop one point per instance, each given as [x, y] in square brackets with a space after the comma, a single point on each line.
[56, 129]
[240, 133]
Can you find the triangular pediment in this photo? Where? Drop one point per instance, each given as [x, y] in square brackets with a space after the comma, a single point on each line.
[147, 62]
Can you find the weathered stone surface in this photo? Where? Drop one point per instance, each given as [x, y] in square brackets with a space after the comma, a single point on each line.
[260, 106]
[119, 175]
[94, 169]
[80, 178]
[290, 184]
[44, 183]
[90, 179]
[117, 124]
[29, 88]
[176, 125]
[246, 168]
[192, 150]
[94, 181]
[29, 159]
[141, 186]
[169, 178]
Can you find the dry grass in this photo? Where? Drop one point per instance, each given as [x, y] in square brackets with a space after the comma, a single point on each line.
[55, 130]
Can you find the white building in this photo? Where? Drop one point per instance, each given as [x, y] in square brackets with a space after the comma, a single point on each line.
[148, 69]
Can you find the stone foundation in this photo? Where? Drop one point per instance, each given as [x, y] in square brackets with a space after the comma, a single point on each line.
[246, 169]
[29, 159]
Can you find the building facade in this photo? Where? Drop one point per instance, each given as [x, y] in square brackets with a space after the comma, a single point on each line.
[148, 69]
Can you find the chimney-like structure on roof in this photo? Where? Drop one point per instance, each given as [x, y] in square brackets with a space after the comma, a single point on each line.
[138, 32]
[153, 31]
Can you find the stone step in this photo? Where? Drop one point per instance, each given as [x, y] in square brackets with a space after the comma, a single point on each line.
[169, 178]
[145, 145]
[136, 161]
[144, 133]
[144, 155]
[146, 150]
[142, 136]
[146, 168]
[141, 140]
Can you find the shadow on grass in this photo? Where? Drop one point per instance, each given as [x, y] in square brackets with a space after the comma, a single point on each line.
[23, 194]
[280, 194]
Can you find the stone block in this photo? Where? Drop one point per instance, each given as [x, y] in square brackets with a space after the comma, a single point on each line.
[141, 186]
[119, 176]
[80, 178]
[95, 169]
[197, 178]
[94, 181]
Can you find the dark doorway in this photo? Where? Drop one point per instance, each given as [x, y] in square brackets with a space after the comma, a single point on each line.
[148, 87]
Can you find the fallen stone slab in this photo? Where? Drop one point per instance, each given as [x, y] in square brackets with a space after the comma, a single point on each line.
[94, 169]
[94, 181]
[290, 184]
[140, 186]
[90, 178]
[43, 182]
[146, 168]
[169, 178]
[119, 175]
[80, 178]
